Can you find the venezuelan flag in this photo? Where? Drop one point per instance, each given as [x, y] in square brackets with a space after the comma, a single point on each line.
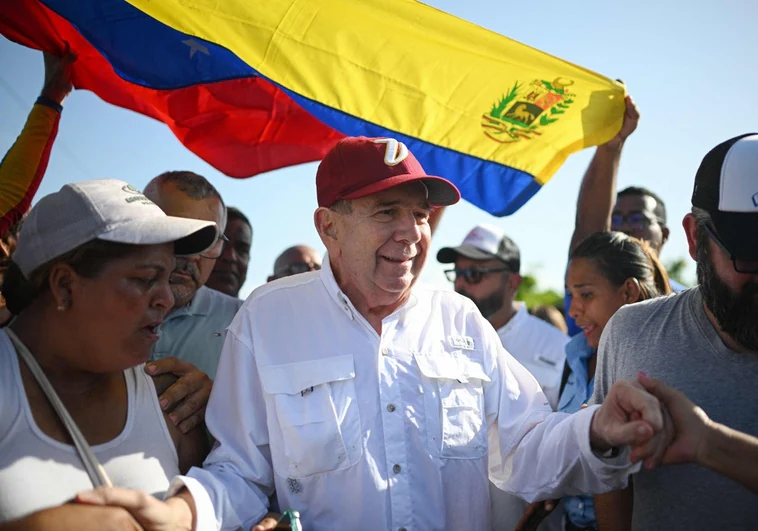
[214, 103]
[496, 117]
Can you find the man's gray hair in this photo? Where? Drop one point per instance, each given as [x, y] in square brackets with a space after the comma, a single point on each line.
[702, 217]
[342, 206]
[193, 185]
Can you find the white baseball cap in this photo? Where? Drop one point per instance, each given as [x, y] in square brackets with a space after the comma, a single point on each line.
[106, 209]
[484, 242]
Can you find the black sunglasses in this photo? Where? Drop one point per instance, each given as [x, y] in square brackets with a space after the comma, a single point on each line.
[740, 265]
[473, 275]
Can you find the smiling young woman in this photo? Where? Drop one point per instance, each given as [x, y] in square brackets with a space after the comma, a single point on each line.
[606, 271]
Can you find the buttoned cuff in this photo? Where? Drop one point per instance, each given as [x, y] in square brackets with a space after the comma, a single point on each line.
[205, 515]
[613, 471]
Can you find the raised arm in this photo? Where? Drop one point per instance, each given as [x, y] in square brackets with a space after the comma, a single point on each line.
[597, 193]
[23, 167]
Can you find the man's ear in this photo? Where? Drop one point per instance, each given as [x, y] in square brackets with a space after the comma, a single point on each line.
[666, 233]
[62, 281]
[325, 221]
[515, 282]
[690, 230]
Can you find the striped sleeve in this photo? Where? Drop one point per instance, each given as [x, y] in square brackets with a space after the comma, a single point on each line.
[23, 167]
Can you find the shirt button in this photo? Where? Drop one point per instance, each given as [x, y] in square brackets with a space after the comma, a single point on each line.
[385, 351]
[391, 408]
[580, 505]
[396, 469]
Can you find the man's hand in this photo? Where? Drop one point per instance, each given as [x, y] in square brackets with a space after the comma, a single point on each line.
[58, 82]
[631, 120]
[75, 517]
[629, 416]
[691, 424]
[149, 512]
[187, 398]
[535, 513]
[269, 522]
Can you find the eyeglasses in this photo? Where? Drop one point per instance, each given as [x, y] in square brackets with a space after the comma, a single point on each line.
[296, 269]
[473, 275]
[217, 249]
[740, 265]
[633, 220]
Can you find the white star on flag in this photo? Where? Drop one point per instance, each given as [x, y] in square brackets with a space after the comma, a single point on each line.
[195, 47]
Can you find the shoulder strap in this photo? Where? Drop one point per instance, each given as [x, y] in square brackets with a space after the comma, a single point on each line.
[93, 467]
[564, 377]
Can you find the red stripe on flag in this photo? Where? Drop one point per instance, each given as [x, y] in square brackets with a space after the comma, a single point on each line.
[242, 127]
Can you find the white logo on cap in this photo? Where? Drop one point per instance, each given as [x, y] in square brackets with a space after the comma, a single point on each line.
[395, 151]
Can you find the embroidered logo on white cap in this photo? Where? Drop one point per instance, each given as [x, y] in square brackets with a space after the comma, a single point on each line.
[485, 237]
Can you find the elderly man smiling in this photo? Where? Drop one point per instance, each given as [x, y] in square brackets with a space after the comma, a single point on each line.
[366, 400]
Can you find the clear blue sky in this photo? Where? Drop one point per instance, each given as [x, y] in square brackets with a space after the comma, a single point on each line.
[690, 66]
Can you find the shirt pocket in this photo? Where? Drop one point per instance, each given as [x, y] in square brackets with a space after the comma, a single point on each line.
[454, 403]
[317, 411]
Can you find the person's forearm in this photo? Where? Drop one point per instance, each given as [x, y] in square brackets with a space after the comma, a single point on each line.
[24, 165]
[613, 510]
[733, 454]
[184, 510]
[597, 193]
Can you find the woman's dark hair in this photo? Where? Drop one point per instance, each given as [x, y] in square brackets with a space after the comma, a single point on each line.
[88, 260]
[619, 257]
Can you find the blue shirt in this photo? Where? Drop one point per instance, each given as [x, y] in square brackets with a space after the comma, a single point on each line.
[574, 330]
[579, 509]
[196, 332]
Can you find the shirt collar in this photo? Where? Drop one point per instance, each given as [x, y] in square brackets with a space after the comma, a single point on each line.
[514, 321]
[578, 352]
[344, 302]
[200, 305]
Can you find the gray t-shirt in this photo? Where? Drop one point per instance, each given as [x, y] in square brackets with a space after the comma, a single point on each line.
[672, 339]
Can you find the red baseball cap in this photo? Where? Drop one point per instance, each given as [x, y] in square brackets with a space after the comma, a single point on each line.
[359, 166]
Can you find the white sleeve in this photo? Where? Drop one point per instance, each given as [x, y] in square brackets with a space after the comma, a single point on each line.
[231, 490]
[545, 455]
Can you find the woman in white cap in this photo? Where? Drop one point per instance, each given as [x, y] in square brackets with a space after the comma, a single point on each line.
[88, 286]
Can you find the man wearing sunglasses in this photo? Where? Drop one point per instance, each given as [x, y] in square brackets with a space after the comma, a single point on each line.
[296, 260]
[703, 341]
[486, 270]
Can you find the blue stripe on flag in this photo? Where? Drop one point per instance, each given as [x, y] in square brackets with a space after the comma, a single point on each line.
[495, 188]
[146, 52]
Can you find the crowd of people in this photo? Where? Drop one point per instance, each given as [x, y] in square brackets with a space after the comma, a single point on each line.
[140, 392]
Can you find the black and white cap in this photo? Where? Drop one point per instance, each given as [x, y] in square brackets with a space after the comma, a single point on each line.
[726, 186]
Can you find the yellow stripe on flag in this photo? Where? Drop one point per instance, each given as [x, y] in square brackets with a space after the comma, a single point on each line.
[416, 70]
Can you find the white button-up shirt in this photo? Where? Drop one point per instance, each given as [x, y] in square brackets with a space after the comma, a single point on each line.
[358, 430]
[539, 347]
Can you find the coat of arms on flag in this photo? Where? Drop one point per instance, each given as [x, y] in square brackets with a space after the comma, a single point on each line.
[523, 110]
